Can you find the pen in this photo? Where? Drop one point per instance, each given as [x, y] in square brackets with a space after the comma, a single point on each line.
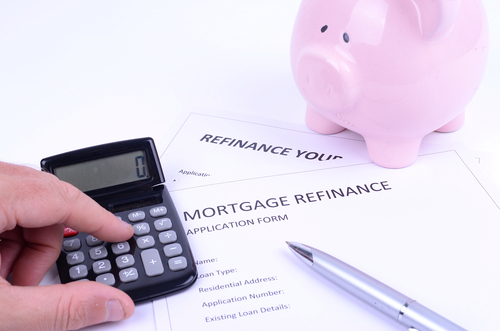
[387, 300]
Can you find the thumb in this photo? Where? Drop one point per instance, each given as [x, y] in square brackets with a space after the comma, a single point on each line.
[61, 307]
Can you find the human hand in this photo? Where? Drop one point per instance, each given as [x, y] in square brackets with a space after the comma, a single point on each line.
[34, 208]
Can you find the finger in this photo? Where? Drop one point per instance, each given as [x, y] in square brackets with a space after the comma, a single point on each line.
[42, 199]
[85, 215]
[61, 307]
[29, 253]
[40, 251]
[17, 170]
[11, 245]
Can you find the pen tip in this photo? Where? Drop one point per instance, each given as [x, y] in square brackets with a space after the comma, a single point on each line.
[301, 251]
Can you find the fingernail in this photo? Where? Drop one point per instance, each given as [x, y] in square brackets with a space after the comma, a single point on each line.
[115, 311]
[125, 224]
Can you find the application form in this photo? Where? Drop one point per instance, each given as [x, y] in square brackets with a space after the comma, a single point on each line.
[243, 186]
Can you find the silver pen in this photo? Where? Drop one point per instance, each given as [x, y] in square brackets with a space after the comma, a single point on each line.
[389, 301]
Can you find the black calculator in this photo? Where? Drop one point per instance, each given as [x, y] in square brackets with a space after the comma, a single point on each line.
[125, 178]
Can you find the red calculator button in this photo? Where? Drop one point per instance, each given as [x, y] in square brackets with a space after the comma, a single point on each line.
[69, 232]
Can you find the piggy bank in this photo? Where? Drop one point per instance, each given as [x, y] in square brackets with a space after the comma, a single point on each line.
[391, 70]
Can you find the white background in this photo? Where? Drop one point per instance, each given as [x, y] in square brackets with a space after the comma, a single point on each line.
[79, 73]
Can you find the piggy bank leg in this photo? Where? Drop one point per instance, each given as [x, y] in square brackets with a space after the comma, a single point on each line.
[454, 124]
[319, 123]
[393, 152]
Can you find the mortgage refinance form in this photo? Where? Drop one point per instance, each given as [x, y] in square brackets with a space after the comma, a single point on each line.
[245, 185]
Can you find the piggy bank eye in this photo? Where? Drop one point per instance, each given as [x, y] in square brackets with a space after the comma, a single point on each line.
[323, 29]
[346, 37]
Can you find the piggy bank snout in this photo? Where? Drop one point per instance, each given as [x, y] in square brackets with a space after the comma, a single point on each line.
[329, 83]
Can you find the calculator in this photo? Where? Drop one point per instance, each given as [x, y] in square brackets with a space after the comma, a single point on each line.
[125, 178]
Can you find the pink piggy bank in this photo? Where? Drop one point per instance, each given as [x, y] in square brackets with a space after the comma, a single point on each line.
[390, 70]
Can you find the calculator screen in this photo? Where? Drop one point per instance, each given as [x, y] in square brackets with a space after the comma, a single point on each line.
[105, 172]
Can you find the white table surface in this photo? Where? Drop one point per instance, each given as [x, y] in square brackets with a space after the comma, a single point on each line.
[79, 73]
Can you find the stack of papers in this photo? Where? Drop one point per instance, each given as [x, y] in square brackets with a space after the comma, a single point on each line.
[244, 186]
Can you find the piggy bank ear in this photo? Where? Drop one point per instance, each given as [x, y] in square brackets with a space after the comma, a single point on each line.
[436, 17]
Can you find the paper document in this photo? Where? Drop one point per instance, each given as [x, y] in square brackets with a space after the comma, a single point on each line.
[244, 186]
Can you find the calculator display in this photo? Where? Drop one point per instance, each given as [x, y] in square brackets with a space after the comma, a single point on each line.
[105, 172]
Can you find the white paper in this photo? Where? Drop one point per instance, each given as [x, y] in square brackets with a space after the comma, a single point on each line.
[429, 230]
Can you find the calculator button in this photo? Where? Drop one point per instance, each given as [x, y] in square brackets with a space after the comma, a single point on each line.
[125, 261]
[128, 275]
[78, 272]
[158, 211]
[69, 232]
[177, 263]
[172, 250]
[152, 262]
[75, 258]
[120, 248]
[145, 242]
[70, 245]
[107, 279]
[136, 216]
[102, 266]
[163, 224]
[93, 241]
[98, 253]
[141, 229]
[167, 237]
